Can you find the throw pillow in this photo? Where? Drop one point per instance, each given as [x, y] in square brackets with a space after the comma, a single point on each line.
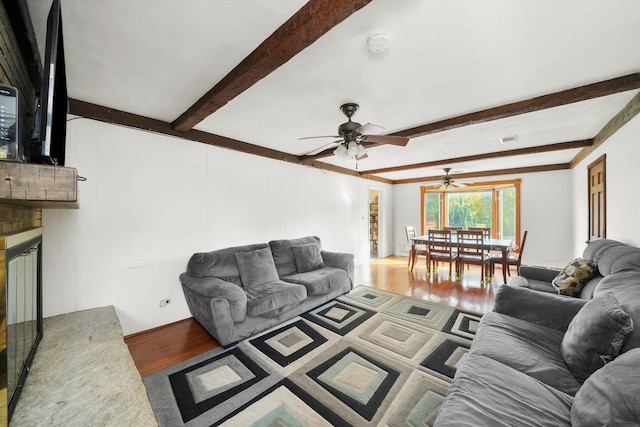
[611, 395]
[307, 257]
[574, 276]
[595, 335]
[256, 267]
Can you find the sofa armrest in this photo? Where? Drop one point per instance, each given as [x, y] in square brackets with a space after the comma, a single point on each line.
[542, 274]
[340, 260]
[544, 309]
[209, 288]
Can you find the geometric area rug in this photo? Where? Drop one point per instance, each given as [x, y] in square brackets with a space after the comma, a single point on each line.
[367, 358]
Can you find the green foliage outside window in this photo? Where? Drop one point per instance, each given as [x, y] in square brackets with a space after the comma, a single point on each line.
[469, 209]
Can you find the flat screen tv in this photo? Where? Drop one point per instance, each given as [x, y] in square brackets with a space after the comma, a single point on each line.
[51, 111]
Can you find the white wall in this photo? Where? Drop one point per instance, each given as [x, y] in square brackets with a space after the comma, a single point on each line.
[623, 175]
[546, 212]
[151, 201]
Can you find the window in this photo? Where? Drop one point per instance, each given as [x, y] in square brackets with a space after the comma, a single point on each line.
[488, 204]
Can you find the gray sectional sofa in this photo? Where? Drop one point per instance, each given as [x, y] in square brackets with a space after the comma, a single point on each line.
[543, 359]
[237, 292]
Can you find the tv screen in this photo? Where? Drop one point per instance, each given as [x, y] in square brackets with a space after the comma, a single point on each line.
[53, 96]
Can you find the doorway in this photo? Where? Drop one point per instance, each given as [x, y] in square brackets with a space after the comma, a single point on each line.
[374, 222]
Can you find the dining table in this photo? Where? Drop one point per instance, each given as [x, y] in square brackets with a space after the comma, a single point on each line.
[502, 245]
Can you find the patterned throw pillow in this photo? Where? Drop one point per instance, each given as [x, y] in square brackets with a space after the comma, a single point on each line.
[574, 276]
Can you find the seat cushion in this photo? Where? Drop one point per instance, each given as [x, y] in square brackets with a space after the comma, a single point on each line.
[320, 281]
[529, 348]
[487, 393]
[271, 299]
[595, 335]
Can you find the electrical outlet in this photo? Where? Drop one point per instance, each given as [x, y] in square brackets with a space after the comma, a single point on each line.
[164, 302]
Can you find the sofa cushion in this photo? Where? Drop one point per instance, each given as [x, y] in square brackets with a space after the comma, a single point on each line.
[529, 348]
[307, 257]
[256, 267]
[485, 392]
[271, 299]
[598, 247]
[320, 281]
[619, 258]
[282, 255]
[595, 335]
[574, 276]
[220, 263]
[625, 286]
[611, 396]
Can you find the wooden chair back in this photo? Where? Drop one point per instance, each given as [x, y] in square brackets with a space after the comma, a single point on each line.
[470, 244]
[485, 230]
[440, 243]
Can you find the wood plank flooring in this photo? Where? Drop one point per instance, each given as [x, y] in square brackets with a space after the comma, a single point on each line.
[162, 347]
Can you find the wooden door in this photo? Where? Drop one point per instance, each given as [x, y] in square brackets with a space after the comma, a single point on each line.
[597, 196]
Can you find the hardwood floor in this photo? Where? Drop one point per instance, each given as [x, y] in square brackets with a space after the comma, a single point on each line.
[162, 347]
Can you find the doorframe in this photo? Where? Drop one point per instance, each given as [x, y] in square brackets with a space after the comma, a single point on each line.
[381, 234]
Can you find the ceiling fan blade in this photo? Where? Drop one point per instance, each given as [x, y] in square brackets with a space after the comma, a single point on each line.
[386, 139]
[316, 137]
[368, 128]
[324, 147]
[458, 184]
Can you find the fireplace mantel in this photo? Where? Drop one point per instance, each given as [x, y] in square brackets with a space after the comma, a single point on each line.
[39, 186]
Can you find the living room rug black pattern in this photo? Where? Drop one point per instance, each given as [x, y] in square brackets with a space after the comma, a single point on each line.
[368, 358]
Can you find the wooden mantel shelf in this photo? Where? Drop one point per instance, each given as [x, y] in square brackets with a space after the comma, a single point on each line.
[36, 185]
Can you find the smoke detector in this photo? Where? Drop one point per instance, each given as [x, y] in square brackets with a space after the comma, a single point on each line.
[378, 42]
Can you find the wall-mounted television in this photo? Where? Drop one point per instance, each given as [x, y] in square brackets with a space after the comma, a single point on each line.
[50, 116]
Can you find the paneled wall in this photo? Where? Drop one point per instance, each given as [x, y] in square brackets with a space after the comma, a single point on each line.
[151, 201]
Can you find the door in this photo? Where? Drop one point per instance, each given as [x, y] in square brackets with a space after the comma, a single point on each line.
[597, 199]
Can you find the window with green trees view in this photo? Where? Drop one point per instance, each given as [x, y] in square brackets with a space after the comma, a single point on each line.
[494, 205]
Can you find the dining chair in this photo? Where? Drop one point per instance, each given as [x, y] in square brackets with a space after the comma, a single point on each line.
[440, 249]
[471, 251]
[452, 228]
[514, 256]
[485, 230]
[416, 250]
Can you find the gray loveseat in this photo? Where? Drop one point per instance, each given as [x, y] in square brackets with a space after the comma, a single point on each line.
[236, 292]
[542, 359]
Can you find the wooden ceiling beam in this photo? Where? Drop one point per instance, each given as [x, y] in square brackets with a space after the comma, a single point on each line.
[307, 25]
[480, 174]
[496, 154]
[110, 115]
[627, 113]
[569, 96]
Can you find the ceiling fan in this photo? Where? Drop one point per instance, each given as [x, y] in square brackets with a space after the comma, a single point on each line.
[447, 182]
[353, 134]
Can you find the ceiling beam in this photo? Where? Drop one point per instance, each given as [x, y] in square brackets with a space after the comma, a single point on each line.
[511, 171]
[110, 115]
[307, 25]
[122, 118]
[627, 113]
[496, 154]
[582, 93]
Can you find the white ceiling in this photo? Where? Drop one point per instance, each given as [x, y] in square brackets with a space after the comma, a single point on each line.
[155, 58]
